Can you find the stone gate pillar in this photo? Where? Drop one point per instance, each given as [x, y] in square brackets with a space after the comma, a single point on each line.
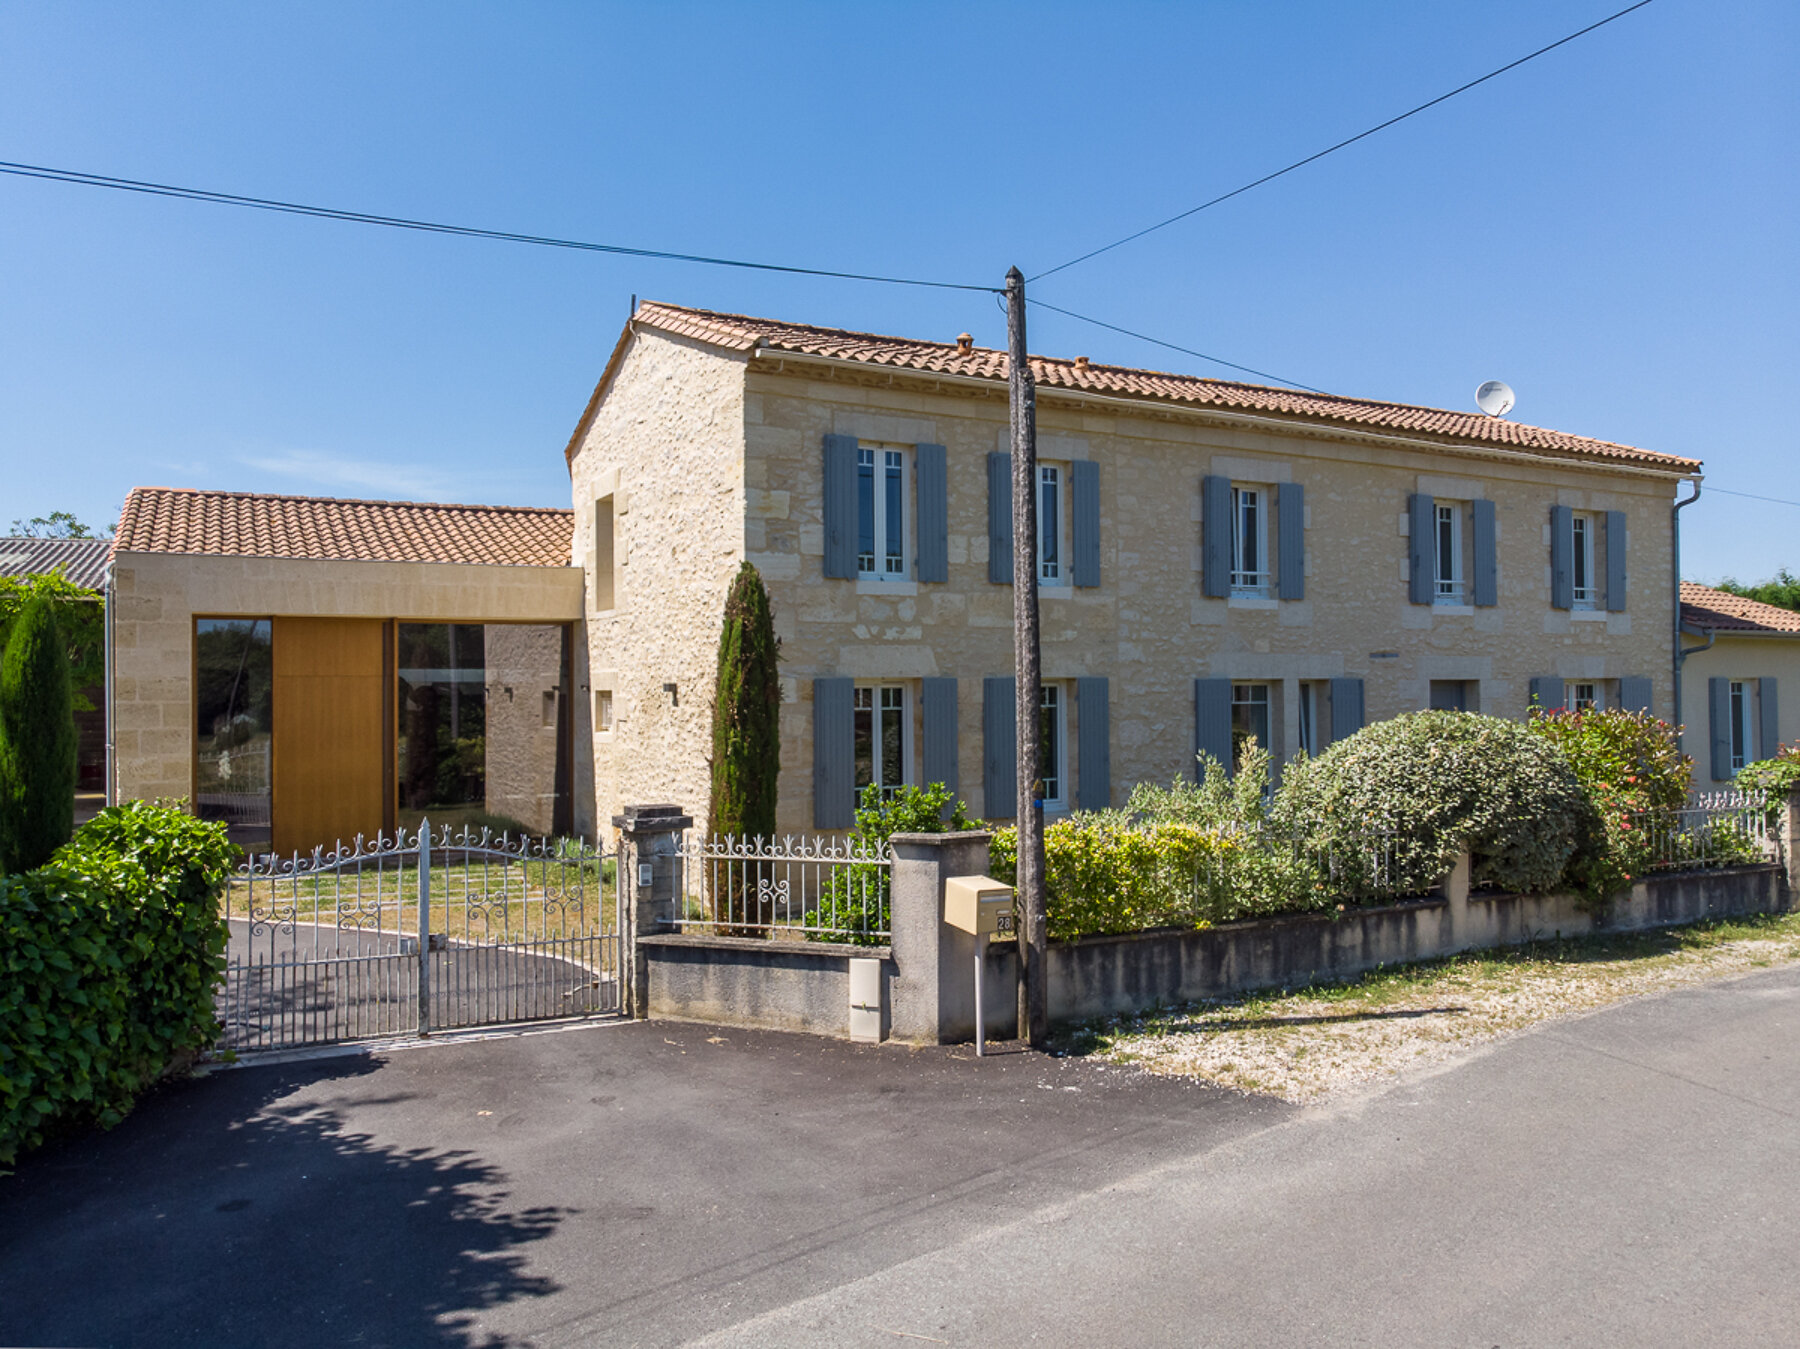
[649, 884]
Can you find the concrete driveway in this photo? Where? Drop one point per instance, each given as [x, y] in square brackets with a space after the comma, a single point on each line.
[1626, 1178]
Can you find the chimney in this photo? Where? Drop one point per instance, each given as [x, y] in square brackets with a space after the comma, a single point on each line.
[965, 343]
[1081, 362]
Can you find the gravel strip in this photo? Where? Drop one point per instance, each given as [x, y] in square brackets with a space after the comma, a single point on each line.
[1317, 1044]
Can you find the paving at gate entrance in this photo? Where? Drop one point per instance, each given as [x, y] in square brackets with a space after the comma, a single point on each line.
[1620, 1178]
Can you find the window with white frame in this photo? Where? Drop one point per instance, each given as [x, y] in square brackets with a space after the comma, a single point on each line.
[1586, 590]
[883, 735]
[1053, 759]
[1447, 553]
[1740, 723]
[881, 513]
[1053, 567]
[1250, 507]
[1249, 720]
[1312, 702]
[1584, 696]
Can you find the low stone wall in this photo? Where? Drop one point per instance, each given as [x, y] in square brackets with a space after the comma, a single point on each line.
[745, 981]
[1100, 976]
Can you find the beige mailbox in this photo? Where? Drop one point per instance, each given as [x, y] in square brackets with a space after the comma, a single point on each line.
[980, 905]
[983, 907]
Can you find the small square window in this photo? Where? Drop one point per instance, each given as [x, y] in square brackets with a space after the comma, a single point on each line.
[603, 710]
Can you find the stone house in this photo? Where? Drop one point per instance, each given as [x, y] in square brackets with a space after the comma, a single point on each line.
[1219, 561]
[1730, 684]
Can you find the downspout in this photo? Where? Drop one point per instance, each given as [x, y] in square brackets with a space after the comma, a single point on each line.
[1675, 621]
[106, 697]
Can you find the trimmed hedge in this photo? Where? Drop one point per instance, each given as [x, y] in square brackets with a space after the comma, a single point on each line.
[109, 956]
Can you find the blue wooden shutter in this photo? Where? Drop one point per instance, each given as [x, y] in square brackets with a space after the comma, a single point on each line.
[1487, 561]
[938, 703]
[1547, 692]
[1215, 536]
[1093, 744]
[1290, 525]
[1615, 561]
[834, 754]
[1421, 573]
[1346, 707]
[1718, 725]
[931, 492]
[1212, 720]
[1562, 558]
[1768, 724]
[840, 507]
[1000, 559]
[1084, 513]
[999, 748]
[1634, 693]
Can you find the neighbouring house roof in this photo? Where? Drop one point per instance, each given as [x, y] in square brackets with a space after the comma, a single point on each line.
[82, 561]
[736, 332]
[1709, 610]
[252, 524]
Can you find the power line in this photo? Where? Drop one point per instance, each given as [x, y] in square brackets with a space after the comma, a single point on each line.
[1361, 135]
[1172, 346]
[432, 227]
[1778, 501]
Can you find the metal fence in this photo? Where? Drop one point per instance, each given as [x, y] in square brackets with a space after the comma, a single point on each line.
[817, 889]
[1715, 829]
[423, 931]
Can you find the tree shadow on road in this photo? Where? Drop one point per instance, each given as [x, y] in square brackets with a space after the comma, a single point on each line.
[235, 1210]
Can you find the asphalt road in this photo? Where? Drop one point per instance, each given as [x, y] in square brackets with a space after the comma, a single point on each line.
[1624, 1178]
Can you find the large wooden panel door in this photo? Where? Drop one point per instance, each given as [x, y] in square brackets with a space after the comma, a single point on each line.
[331, 734]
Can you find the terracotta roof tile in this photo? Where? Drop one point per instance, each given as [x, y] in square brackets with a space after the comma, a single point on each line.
[82, 561]
[1720, 611]
[251, 524]
[737, 332]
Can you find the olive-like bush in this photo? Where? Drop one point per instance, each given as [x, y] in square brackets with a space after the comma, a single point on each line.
[109, 957]
[1439, 783]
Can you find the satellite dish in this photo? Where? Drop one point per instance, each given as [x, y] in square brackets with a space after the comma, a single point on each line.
[1495, 398]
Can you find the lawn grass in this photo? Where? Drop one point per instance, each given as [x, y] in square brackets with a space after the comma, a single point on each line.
[1315, 1042]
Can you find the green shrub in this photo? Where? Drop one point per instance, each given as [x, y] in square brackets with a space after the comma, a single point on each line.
[1443, 782]
[855, 905]
[80, 617]
[1636, 778]
[109, 957]
[1778, 777]
[37, 740]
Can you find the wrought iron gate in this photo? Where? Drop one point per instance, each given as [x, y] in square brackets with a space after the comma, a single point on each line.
[418, 933]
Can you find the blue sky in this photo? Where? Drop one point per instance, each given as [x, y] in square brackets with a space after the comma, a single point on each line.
[1610, 228]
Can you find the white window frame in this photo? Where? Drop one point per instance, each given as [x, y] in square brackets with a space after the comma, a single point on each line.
[1054, 699]
[1449, 584]
[605, 716]
[1245, 695]
[1310, 704]
[1584, 695]
[1742, 709]
[876, 700]
[1582, 529]
[1255, 500]
[885, 491]
[1053, 562]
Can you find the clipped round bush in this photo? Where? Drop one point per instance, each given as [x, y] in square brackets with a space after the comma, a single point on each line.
[1408, 795]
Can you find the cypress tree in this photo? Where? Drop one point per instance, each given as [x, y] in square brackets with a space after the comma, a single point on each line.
[37, 740]
[746, 726]
[746, 747]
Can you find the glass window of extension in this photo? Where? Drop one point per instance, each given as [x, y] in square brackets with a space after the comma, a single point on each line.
[1249, 720]
[1447, 541]
[1051, 568]
[1052, 750]
[234, 726]
[1581, 562]
[1740, 724]
[1250, 541]
[881, 513]
[881, 733]
[442, 700]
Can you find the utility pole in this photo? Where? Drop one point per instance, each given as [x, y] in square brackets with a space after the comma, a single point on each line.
[1034, 1002]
